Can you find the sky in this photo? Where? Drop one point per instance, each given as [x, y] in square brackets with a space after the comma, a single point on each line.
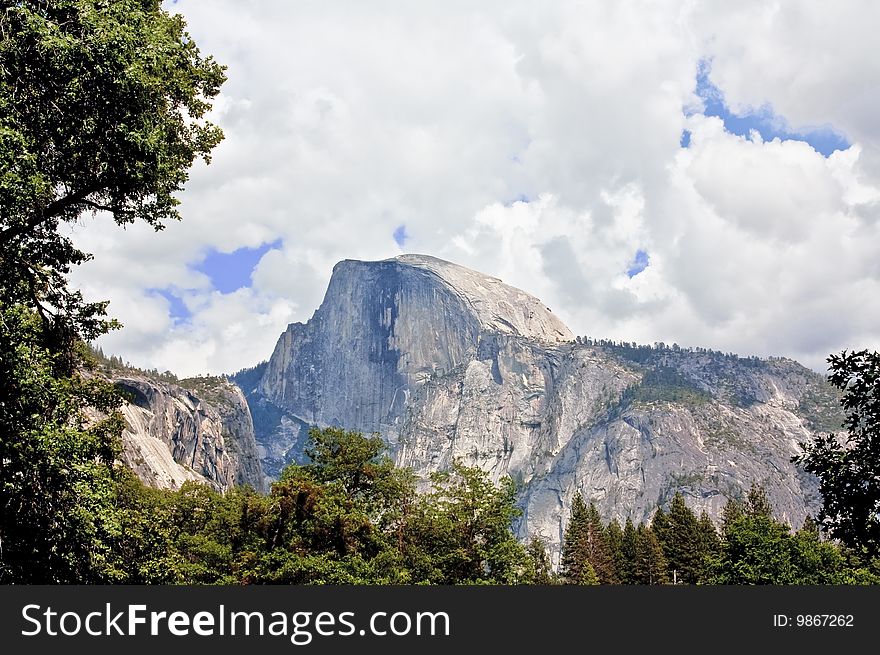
[706, 174]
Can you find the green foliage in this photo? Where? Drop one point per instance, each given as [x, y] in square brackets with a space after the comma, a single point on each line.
[650, 566]
[849, 471]
[102, 108]
[753, 548]
[683, 541]
[464, 528]
[585, 550]
[758, 549]
[665, 384]
[540, 570]
[56, 461]
[614, 541]
[347, 517]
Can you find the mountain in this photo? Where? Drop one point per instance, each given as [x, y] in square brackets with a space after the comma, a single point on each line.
[198, 429]
[450, 364]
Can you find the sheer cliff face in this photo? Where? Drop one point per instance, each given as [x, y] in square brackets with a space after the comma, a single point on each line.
[175, 434]
[383, 330]
[448, 364]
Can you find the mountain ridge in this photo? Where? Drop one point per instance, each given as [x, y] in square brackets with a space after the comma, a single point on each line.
[449, 364]
[434, 365]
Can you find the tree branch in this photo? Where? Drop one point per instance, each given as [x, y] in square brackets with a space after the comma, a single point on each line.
[51, 210]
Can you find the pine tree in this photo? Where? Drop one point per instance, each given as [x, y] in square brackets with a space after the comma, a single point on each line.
[710, 545]
[629, 554]
[614, 539]
[573, 556]
[680, 539]
[542, 570]
[585, 544]
[660, 524]
[588, 575]
[733, 510]
[599, 556]
[650, 564]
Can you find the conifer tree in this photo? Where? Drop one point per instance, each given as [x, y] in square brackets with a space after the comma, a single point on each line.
[573, 556]
[614, 539]
[542, 569]
[585, 543]
[650, 564]
[588, 575]
[599, 556]
[679, 536]
[629, 554]
[710, 545]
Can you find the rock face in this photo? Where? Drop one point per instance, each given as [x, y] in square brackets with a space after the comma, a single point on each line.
[385, 329]
[202, 433]
[448, 364]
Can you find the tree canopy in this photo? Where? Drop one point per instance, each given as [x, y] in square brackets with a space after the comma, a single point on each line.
[849, 469]
[103, 109]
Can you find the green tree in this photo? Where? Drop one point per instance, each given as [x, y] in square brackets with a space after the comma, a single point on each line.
[585, 543]
[627, 568]
[683, 543]
[710, 545]
[57, 512]
[466, 528]
[755, 547]
[614, 542]
[650, 563]
[102, 108]
[588, 576]
[540, 567]
[849, 469]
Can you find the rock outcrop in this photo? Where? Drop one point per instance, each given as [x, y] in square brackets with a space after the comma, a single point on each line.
[201, 431]
[449, 364]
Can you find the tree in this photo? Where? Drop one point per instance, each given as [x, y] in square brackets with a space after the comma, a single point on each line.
[710, 545]
[541, 570]
[849, 469]
[755, 546]
[585, 550]
[57, 514]
[626, 570]
[679, 535]
[650, 565]
[465, 529]
[614, 542]
[102, 108]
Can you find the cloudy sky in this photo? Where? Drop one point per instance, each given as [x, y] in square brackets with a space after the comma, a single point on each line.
[699, 173]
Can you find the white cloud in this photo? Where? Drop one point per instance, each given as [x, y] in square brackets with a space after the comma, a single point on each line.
[345, 121]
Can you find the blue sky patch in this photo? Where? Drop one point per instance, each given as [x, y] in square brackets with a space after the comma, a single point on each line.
[177, 310]
[823, 138]
[685, 140]
[639, 263]
[232, 271]
[400, 235]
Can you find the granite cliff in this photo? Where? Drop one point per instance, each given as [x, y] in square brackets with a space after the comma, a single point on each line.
[198, 429]
[449, 364]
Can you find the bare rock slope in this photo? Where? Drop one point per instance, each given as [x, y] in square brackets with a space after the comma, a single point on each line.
[201, 432]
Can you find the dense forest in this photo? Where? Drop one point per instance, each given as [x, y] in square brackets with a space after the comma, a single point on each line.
[351, 516]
